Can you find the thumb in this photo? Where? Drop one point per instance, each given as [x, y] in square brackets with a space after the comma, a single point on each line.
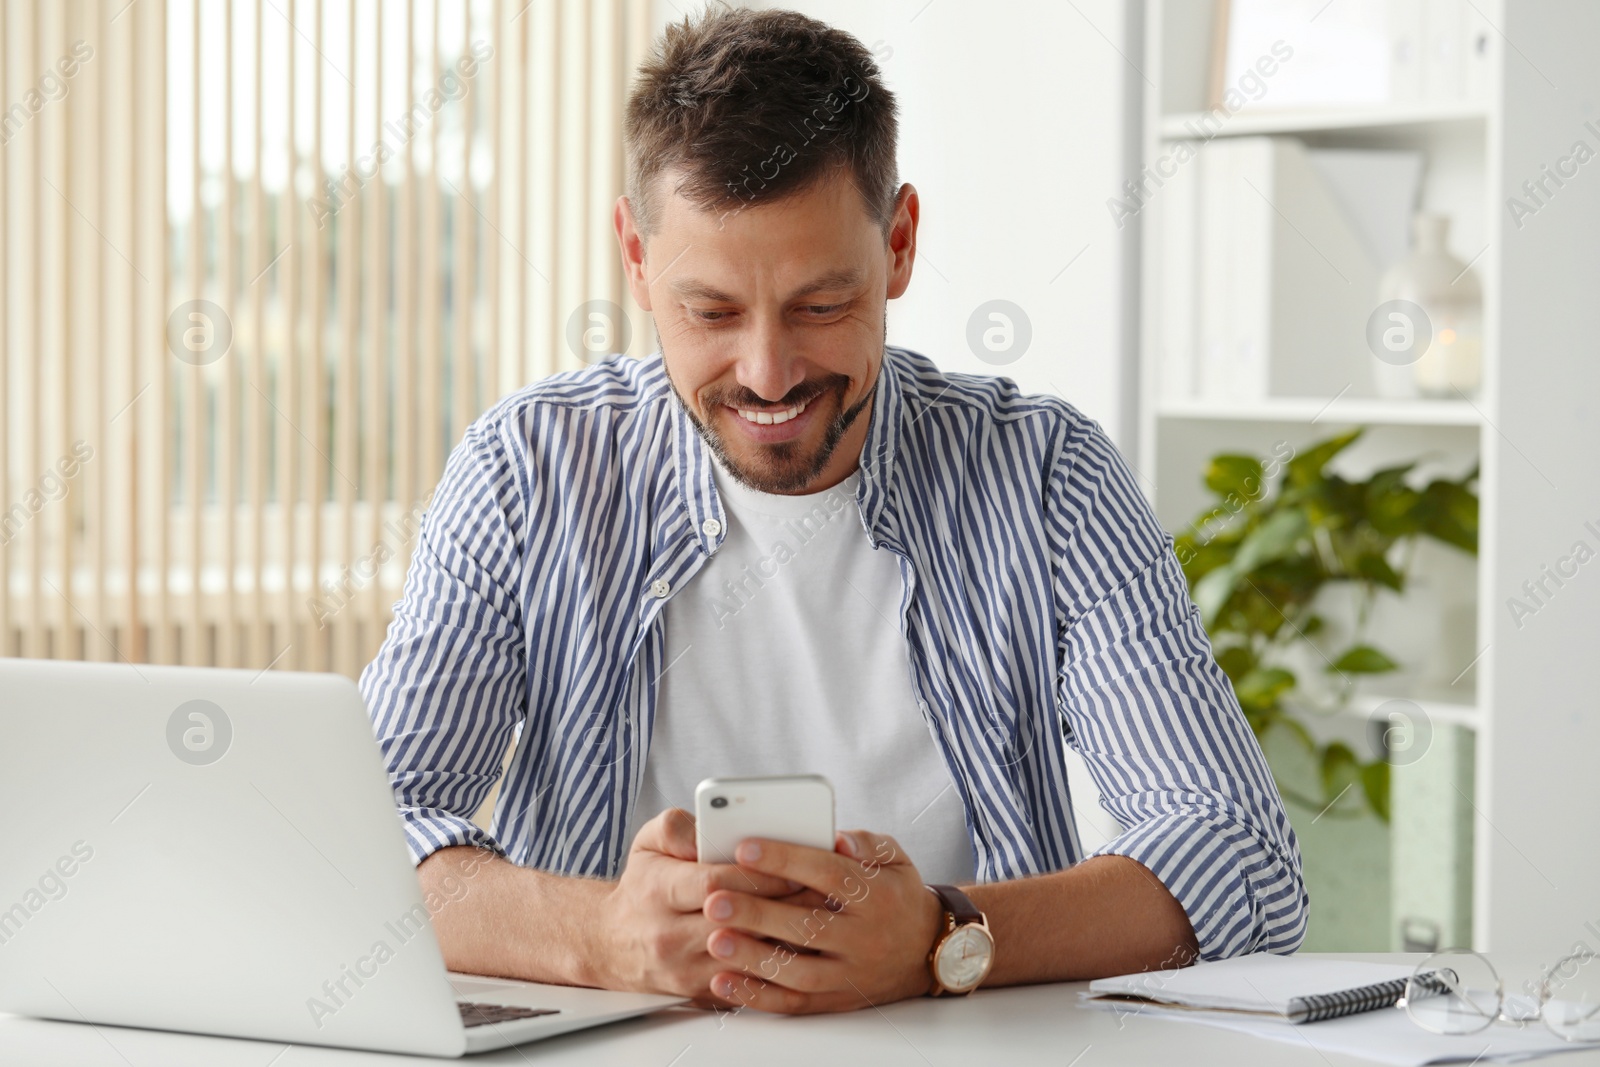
[670, 833]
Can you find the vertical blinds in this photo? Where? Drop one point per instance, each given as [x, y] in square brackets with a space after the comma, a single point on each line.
[263, 262]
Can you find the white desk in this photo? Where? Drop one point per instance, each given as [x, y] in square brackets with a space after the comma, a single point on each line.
[1026, 1025]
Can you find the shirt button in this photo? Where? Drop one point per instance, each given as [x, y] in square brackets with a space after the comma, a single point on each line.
[711, 527]
[660, 588]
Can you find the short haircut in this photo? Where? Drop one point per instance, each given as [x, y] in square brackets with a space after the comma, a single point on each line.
[746, 107]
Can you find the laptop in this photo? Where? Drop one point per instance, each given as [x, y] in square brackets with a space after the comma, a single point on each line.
[219, 852]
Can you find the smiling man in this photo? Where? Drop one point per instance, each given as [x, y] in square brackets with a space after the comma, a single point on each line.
[780, 545]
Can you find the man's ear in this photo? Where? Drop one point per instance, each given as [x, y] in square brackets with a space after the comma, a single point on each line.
[902, 250]
[632, 245]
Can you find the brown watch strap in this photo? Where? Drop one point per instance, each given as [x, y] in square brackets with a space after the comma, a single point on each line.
[958, 904]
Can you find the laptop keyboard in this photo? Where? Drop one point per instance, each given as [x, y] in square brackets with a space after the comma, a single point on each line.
[474, 1014]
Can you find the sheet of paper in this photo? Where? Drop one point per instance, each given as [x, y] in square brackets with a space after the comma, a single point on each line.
[1383, 1036]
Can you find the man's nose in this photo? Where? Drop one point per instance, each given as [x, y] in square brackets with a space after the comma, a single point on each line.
[766, 368]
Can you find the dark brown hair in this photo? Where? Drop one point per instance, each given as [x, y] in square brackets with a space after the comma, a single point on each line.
[746, 107]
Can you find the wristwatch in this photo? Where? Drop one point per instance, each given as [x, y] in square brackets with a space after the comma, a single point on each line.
[963, 951]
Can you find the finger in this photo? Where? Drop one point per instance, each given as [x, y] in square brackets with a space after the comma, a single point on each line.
[815, 868]
[746, 990]
[688, 884]
[671, 833]
[808, 927]
[780, 964]
[749, 991]
[719, 856]
[870, 849]
[809, 898]
[701, 996]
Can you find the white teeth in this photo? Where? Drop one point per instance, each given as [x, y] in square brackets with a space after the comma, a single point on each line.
[771, 418]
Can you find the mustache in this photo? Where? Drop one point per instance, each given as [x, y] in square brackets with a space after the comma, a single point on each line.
[804, 392]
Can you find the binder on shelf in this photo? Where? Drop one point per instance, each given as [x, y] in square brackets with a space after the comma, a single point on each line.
[1404, 53]
[1340, 53]
[1442, 71]
[1406, 46]
[1213, 166]
[1178, 280]
[1286, 280]
[1477, 56]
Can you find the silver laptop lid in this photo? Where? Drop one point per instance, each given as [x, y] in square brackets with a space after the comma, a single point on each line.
[209, 850]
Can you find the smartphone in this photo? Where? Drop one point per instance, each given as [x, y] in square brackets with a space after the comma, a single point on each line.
[797, 808]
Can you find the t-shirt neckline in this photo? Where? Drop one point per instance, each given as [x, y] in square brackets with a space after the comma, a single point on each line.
[742, 498]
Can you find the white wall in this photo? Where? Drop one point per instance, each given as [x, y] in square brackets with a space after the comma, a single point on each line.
[1012, 130]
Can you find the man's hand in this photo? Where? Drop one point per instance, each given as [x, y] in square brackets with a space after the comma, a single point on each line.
[858, 934]
[652, 929]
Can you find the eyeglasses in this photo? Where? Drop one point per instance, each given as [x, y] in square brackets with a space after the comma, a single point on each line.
[1460, 992]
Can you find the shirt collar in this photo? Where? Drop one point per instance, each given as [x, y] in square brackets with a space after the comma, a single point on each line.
[883, 441]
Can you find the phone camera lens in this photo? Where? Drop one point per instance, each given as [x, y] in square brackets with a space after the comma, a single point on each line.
[719, 802]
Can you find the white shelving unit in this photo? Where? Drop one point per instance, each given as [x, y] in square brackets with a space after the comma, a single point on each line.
[1530, 693]
[1326, 413]
[1183, 125]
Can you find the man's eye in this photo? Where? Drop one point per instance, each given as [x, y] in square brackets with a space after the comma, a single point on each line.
[823, 309]
[709, 316]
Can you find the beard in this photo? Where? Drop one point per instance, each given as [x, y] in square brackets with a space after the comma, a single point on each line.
[786, 467]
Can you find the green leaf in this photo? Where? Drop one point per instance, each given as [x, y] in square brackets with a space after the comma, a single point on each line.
[1340, 770]
[1364, 659]
[1335, 502]
[1297, 728]
[1274, 722]
[1275, 595]
[1213, 592]
[1255, 610]
[1293, 583]
[1238, 475]
[1272, 540]
[1375, 784]
[1262, 687]
[1448, 511]
[1389, 478]
[1374, 567]
[1199, 559]
[1306, 467]
[1391, 504]
[1236, 661]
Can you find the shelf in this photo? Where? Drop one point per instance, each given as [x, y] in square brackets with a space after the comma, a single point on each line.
[1193, 125]
[1439, 712]
[1322, 412]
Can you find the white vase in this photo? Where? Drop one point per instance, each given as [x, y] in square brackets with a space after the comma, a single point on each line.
[1451, 365]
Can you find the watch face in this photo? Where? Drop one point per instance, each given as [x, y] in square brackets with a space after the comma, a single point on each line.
[964, 957]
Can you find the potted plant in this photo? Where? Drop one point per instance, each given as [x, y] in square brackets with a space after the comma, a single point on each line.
[1286, 531]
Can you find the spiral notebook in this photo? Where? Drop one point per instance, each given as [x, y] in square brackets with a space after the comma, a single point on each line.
[1297, 989]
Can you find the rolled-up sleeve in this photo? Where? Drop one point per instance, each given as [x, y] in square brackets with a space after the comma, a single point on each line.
[446, 691]
[1156, 720]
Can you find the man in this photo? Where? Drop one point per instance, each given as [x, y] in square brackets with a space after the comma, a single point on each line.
[780, 545]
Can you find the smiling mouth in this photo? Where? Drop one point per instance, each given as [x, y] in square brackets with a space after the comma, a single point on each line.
[771, 418]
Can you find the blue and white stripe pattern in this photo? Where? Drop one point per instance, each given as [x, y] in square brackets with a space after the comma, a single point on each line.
[1042, 603]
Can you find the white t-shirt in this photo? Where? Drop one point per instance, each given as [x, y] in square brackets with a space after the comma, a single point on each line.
[784, 657]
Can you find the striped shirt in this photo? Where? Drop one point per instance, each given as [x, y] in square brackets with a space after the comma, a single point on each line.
[1042, 606]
